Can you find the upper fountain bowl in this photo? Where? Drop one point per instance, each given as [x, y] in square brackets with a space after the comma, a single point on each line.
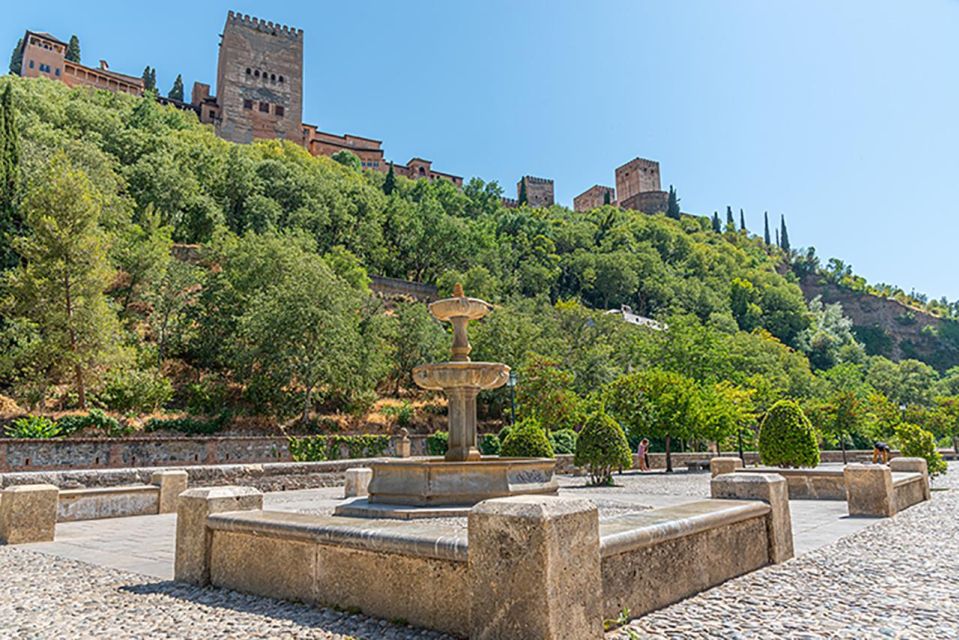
[450, 375]
[459, 307]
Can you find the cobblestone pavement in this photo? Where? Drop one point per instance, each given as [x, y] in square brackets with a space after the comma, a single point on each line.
[898, 578]
[45, 597]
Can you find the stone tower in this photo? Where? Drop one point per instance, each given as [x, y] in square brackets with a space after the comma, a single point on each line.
[539, 191]
[637, 176]
[259, 81]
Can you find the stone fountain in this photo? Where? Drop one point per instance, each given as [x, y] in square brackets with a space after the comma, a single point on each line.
[463, 477]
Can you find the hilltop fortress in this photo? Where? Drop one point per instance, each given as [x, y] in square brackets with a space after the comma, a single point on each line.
[259, 95]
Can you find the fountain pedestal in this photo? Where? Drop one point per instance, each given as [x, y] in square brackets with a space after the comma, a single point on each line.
[463, 477]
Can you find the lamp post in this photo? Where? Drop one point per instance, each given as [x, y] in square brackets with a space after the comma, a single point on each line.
[742, 456]
[511, 383]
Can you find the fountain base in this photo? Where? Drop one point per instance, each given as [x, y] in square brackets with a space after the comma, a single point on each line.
[435, 482]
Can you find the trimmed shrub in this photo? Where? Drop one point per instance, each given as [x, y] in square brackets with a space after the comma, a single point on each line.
[437, 443]
[786, 437]
[527, 439]
[602, 447]
[32, 427]
[490, 445]
[563, 441]
[916, 442]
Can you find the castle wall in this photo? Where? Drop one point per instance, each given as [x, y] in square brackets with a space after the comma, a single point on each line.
[637, 176]
[594, 197]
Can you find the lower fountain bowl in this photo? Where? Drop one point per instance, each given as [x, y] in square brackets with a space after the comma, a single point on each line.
[434, 482]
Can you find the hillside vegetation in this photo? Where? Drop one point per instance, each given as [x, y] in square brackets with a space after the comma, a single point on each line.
[274, 318]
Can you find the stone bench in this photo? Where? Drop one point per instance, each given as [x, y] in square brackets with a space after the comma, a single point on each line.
[533, 567]
[809, 484]
[29, 513]
[878, 490]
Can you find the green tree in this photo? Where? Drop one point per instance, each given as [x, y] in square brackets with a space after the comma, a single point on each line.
[727, 411]
[783, 234]
[602, 447]
[840, 411]
[545, 393]
[527, 439]
[656, 404]
[11, 222]
[347, 159]
[73, 50]
[743, 298]
[717, 225]
[149, 78]
[415, 338]
[730, 220]
[16, 59]
[766, 237]
[916, 442]
[672, 204]
[59, 287]
[606, 197]
[742, 220]
[176, 92]
[390, 183]
[522, 193]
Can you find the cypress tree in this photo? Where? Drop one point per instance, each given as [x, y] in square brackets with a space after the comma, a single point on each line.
[777, 238]
[606, 198]
[766, 237]
[742, 220]
[73, 50]
[153, 78]
[16, 59]
[730, 221]
[783, 235]
[717, 225]
[672, 205]
[522, 192]
[390, 182]
[149, 78]
[176, 93]
[10, 223]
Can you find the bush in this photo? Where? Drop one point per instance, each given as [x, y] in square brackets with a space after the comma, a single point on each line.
[207, 397]
[602, 447]
[563, 441]
[786, 437]
[135, 390]
[188, 425]
[437, 443]
[96, 419]
[490, 445]
[402, 415]
[32, 427]
[527, 439]
[319, 448]
[916, 442]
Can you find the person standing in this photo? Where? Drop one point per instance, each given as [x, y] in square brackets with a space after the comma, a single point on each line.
[642, 451]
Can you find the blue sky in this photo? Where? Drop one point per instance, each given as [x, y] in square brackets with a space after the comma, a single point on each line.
[840, 115]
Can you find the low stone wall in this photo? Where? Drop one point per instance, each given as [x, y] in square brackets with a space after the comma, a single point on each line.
[808, 484]
[571, 573]
[26, 454]
[112, 502]
[276, 476]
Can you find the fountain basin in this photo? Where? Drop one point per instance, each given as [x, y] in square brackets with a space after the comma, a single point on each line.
[452, 375]
[459, 307]
[435, 482]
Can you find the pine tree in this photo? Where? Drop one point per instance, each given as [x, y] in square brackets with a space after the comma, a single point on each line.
[777, 238]
[766, 237]
[672, 204]
[153, 78]
[176, 93]
[606, 197]
[73, 50]
[717, 225]
[149, 79]
[10, 222]
[742, 220]
[390, 183]
[730, 221]
[16, 59]
[522, 192]
[60, 285]
[783, 234]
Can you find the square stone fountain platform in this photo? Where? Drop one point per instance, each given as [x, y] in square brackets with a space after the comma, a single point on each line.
[437, 488]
